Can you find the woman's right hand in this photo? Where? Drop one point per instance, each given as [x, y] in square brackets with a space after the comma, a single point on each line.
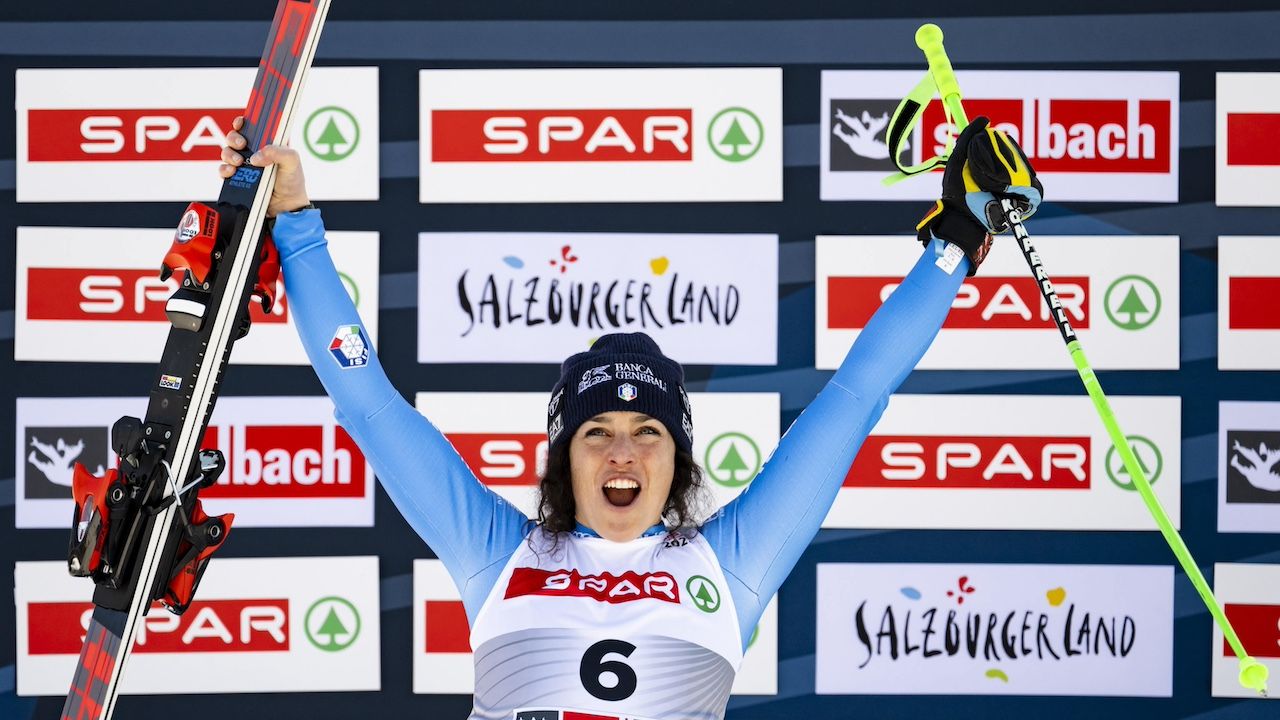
[290, 190]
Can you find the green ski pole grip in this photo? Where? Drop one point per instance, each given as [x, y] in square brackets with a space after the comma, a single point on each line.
[929, 39]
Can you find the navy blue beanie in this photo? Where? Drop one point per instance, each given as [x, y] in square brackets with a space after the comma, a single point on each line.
[622, 371]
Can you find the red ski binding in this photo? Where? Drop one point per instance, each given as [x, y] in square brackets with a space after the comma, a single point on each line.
[94, 497]
[201, 536]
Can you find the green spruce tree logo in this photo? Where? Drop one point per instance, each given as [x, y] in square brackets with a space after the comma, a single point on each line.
[332, 624]
[704, 593]
[331, 133]
[1150, 462]
[735, 134]
[732, 459]
[1132, 302]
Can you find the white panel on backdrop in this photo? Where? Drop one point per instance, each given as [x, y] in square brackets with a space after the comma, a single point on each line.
[1247, 112]
[257, 625]
[601, 135]
[1100, 136]
[541, 297]
[1016, 462]
[95, 295]
[974, 629]
[1248, 315]
[503, 438]
[443, 664]
[1249, 467]
[1120, 294]
[156, 134]
[288, 462]
[1250, 597]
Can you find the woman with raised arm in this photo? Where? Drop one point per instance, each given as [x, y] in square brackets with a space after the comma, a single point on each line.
[615, 601]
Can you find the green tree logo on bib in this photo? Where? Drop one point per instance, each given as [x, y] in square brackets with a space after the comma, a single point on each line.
[705, 594]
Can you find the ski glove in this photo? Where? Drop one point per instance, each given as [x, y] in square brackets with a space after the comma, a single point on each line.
[985, 166]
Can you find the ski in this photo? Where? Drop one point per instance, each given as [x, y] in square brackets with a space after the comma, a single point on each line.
[139, 530]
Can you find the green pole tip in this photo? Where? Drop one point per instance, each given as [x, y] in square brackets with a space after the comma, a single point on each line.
[929, 35]
[1253, 675]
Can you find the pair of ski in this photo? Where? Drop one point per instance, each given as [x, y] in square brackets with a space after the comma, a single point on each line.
[139, 530]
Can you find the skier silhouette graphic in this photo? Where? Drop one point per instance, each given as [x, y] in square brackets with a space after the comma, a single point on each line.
[861, 137]
[56, 466]
[1263, 474]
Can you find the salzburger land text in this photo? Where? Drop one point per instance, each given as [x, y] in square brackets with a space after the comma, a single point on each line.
[994, 636]
[608, 304]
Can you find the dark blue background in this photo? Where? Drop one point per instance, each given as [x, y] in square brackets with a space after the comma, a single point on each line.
[1196, 39]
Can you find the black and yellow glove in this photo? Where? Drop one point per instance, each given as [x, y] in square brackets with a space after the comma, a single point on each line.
[985, 166]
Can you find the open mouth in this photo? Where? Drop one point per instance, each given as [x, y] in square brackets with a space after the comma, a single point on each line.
[621, 492]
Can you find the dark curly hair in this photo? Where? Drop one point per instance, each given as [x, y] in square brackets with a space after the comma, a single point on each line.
[557, 510]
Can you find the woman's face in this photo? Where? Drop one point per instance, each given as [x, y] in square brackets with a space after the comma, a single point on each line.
[622, 464]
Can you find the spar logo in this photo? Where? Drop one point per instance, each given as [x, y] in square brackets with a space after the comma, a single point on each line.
[551, 292]
[127, 135]
[332, 623]
[992, 302]
[1023, 462]
[331, 133]
[935, 625]
[208, 626]
[1131, 302]
[52, 452]
[1071, 135]
[1150, 462]
[605, 587]
[703, 593]
[115, 295]
[1253, 466]
[287, 461]
[503, 458]
[732, 459]
[734, 134]
[1258, 627]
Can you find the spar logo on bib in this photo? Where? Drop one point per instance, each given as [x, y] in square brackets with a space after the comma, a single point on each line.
[605, 587]
[1101, 136]
[349, 347]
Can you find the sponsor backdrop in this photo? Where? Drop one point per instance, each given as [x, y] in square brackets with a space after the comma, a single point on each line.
[502, 192]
